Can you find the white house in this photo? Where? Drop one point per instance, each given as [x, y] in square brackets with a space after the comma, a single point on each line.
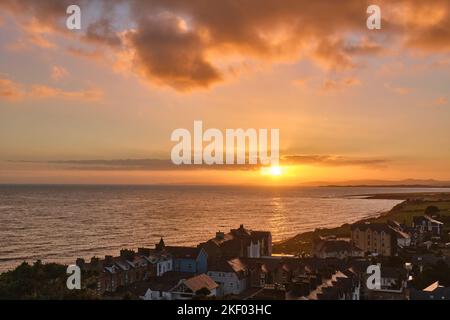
[230, 275]
[427, 224]
[253, 250]
[403, 239]
[162, 263]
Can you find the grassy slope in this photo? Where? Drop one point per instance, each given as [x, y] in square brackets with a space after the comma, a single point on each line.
[414, 205]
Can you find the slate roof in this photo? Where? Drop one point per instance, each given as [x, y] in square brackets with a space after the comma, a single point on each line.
[433, 292]
[373, 226]
[236, 266]
[183, 252]
[419, 219]
[164, 283]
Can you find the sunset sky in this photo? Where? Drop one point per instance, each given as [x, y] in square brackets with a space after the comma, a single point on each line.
[99, 105]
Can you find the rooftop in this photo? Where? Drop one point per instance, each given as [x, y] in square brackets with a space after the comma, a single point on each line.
[425, 217]
[184, 252]
[202, 281]
[236, 266]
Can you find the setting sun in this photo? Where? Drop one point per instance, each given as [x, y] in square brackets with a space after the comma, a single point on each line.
[272, 171]
[275, 171]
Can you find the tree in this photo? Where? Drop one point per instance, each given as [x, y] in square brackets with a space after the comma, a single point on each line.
[203, 292]
[40, 281]
[432, 273]
[431, 210]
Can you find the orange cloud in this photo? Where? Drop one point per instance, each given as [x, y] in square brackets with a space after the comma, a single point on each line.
[35, 33]
[160, 57]
[426, 25]
[59, 73]
[167, 165]
[330, 84]
[397, 89]
[85, 53]
[332, 161]
[12, 91]
[183, 44]
[45, 92]
[441, 101]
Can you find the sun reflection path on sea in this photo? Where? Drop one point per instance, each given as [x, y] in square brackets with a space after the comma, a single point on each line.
[279, 218]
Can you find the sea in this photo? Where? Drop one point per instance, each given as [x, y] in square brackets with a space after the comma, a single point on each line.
[58, 223]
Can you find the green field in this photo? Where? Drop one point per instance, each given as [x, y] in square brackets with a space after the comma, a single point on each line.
[413, 205]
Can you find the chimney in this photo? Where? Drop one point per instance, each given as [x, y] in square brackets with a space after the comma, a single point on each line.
[94, 261]
[144, 251]
[127, 254]
[220, 235]
[80, 262]
[108, 260]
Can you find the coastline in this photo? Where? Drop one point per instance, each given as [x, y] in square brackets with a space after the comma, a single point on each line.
[412, 204]
[301, 242]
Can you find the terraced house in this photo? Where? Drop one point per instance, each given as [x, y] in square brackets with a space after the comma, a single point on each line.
[374, 238]
[240, 242]
[128, 268]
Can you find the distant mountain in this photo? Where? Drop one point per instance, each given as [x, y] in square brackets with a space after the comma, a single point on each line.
[410, 183]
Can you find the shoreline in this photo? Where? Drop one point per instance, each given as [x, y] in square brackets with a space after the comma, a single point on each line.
[302, 242]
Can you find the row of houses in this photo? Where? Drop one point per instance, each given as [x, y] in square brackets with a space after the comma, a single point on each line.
[239, 264]
[384, 239]
[150, 263]
[236, 264]
[261, 278]
[175, 286]
[147, 263]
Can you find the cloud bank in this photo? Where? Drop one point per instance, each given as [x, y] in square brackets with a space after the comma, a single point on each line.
[183, 44]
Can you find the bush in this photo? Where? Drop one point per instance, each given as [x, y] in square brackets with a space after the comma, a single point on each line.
[39, 281]
[431, 210]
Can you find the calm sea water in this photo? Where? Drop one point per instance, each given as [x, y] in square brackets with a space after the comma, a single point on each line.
[61, 223]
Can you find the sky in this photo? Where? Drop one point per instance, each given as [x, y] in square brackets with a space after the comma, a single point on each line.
[98, 105]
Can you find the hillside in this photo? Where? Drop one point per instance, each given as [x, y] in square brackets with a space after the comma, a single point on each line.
[413, 205]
